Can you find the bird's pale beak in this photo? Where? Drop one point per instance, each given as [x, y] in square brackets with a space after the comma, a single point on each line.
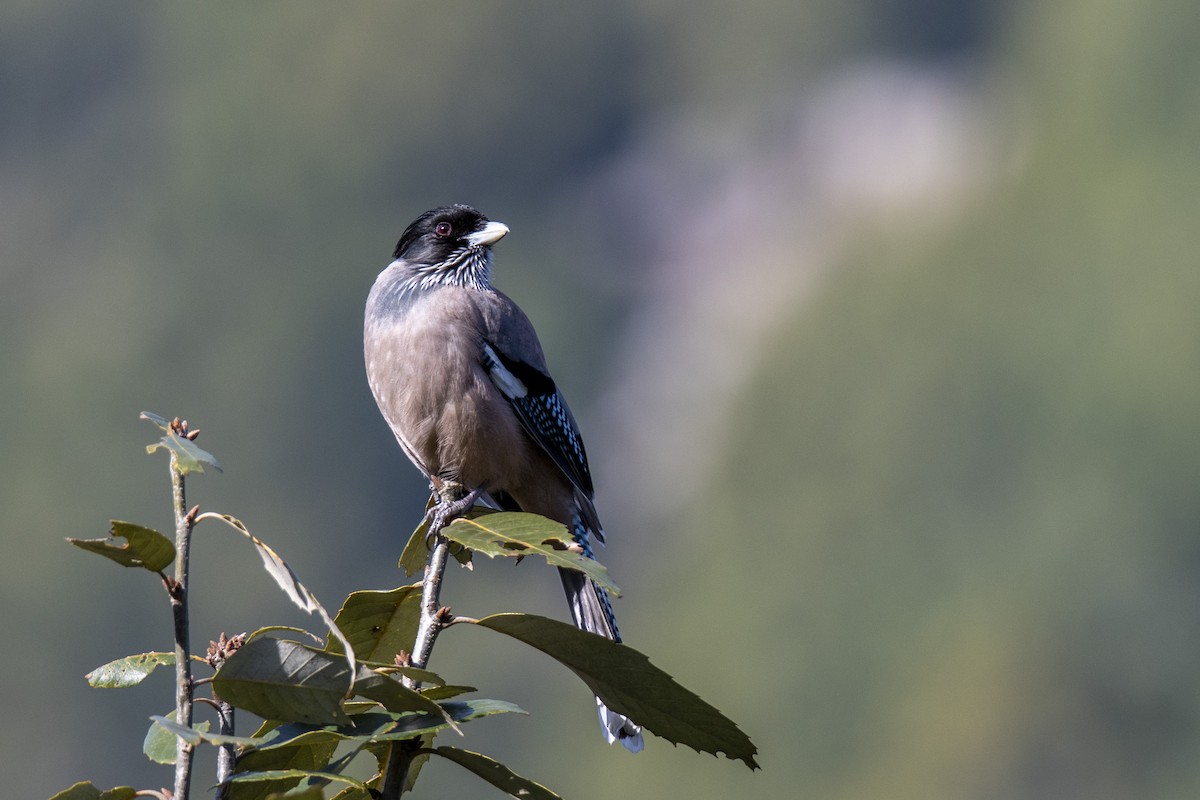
[491, 233]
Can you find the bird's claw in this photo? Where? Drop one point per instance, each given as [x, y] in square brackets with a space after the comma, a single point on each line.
[446, 511]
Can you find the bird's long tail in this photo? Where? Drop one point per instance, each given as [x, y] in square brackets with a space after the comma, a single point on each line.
[592, 611]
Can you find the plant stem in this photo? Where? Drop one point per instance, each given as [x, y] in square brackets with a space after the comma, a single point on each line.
[431, 590]
[179, 610]
[401, 754]
[226, 753]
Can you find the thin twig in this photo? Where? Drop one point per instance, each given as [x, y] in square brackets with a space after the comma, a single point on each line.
[402, 753]
[431, 590]
[219, 652]
[179, 610]
[226, 753]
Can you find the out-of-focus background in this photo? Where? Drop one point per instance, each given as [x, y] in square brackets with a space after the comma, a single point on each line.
[881, 320]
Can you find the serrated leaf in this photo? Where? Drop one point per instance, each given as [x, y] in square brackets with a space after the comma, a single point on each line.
[86, 790]
[128, 671]
[518, 534]
[143, 547]
[629, 684]
[188, 457]
[496, 774]
[377, 624]
[285, 680]
[159, 744]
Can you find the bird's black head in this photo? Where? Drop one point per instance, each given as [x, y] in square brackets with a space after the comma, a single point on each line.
[448, 246]
[437, 235]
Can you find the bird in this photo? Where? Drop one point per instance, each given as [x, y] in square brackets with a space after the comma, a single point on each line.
[459, 375]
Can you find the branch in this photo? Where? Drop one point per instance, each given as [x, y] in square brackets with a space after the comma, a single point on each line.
[218, 653]
[433, 619]
[227, 753]
[177, 590]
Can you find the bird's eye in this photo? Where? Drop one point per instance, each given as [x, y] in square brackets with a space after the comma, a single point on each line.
[442, 229]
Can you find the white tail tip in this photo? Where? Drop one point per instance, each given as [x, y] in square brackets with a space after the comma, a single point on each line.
[619, 728]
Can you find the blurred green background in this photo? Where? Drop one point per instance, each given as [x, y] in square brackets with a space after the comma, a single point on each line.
[880, 319]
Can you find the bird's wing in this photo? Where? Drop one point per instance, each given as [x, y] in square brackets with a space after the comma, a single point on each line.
[542, 411]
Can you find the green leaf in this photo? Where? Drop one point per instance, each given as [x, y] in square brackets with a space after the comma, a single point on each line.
[446, 692]
[391, 694]
[266, 629]
[159, 744]
[350, 793]
[161, 422]
[467, 710]
[128, 671]
[293, 745]
[412, 559]
[188, 457]
[418, 675]
[496, 774]
[317, 793]
[143, 547]
[200, 734]
[287, 580]
[518, 534]
[378, 625]
[629, 684]
[371, 728]
[417, 765]
[305, 752]
[285, 680]
[298, 774]
[86, 790]
[309, 793]
[463, 556]
[390, 727]
[383, 725]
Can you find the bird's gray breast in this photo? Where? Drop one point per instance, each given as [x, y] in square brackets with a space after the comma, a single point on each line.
[423, 364]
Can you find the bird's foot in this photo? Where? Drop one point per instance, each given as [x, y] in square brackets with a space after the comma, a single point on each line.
[446, 511]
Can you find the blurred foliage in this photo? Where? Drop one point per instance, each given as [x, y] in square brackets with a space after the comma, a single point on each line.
[959, 503]
[980, 459]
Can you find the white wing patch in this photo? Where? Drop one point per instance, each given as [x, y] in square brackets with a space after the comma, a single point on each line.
[510, 385]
